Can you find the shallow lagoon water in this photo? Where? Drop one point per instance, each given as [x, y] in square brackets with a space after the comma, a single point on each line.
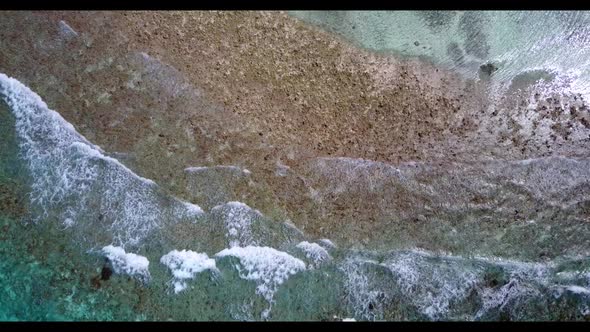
[515, 42]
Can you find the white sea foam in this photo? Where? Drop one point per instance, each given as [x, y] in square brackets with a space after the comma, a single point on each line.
[192, 209]
[578, 289]
[73, 181]
[68, 222]
[346, 174]
[362, 293]
[231, 168]
[434, 282]
[196, 169]
[326, 243]
[185, 265]
[67, 30]
[281, 169]
[127, 263]
[268, 267]
[431, 290]
[238, 218]
[509, 294]
[314, 253]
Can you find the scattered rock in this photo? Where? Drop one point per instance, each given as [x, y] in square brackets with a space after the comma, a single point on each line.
[488, 69]
[105, 273]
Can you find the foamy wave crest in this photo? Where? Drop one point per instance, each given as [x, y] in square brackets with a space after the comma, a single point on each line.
[185, 265]
[315, 253]
[267, 266]
[364, 294]
[238, 219]
[74, 183]
[432, 290]
[127, 263]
